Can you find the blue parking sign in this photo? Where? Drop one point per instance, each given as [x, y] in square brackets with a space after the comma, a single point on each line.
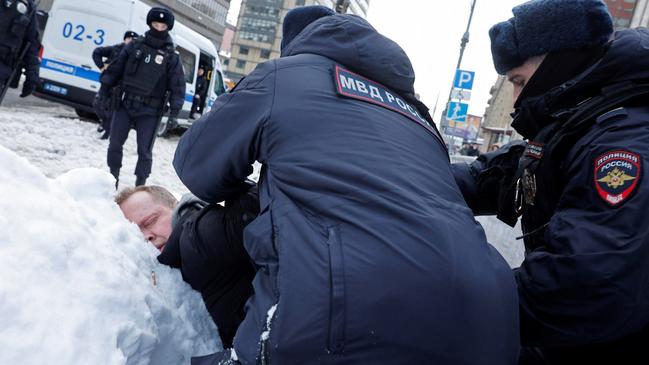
[464, 79]
[457, 111]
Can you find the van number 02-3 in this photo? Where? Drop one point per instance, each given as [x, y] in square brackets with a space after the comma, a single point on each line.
[78, 33]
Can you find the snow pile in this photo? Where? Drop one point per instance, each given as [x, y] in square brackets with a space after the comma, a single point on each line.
[78, 280]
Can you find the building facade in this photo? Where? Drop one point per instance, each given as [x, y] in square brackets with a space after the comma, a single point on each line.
[622, 12]
[496, 127]
[259, 31]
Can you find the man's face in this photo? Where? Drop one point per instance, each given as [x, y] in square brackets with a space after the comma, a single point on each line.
[152, 217]
[200, 72]
[159, 26]
[127, 40]
[520, 75]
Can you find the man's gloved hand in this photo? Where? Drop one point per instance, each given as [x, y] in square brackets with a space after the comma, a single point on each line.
[28, 87]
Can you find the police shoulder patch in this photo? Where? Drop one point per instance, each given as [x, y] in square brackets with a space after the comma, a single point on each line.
[616, 175]
[352, 85]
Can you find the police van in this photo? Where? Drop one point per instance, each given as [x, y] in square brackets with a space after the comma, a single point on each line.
[75, 28]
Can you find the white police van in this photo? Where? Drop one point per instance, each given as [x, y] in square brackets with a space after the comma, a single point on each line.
[75, 28]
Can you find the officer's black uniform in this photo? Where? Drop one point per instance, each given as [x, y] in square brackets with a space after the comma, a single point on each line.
[148, 68]
[18, 37]
[102, 57]
[199, 96]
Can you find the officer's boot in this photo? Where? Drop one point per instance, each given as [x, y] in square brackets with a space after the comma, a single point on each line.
[115, 173]
[140, 180]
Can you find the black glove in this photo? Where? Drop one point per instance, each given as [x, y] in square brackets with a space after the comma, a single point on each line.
[495, 179]
[28, 87]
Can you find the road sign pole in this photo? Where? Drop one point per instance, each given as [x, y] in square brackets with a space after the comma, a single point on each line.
[465, 40]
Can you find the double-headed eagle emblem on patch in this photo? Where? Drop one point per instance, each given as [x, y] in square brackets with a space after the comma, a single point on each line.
[616, 175]
[616, 178]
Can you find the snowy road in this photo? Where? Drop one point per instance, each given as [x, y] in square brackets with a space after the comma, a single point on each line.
[55, 140]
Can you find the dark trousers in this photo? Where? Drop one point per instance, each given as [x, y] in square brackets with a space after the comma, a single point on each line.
[197, 105]
[145, 121]
[105, 114]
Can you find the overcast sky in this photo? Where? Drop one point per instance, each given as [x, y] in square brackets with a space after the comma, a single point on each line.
[430, 32]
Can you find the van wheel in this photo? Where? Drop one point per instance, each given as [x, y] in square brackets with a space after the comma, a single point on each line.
[163, 128]
[86, 115]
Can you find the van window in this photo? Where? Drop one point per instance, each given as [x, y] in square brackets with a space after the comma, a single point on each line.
[188, 59]
[219, 88]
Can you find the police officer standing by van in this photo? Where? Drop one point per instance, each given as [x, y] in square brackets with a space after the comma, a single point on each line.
[102, 57]
[19, 45]
[150, 74]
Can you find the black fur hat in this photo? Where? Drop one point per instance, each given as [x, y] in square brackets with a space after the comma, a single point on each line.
[543, 26]
[162, 15]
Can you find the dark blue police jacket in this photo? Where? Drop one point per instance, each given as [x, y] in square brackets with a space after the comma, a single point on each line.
[367, 252]
[589, 283]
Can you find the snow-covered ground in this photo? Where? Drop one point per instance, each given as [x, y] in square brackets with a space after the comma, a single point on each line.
[55, 140]
[77, 285]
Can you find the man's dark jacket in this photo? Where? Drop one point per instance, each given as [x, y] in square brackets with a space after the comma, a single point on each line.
[367, 252]
[583, 288]
[206, 244]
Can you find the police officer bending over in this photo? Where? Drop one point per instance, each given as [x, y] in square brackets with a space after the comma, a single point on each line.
[19, 45]
[102, 57]
[148, 69]
[579, 184]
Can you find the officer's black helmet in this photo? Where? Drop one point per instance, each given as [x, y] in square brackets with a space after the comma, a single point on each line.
[162, 15]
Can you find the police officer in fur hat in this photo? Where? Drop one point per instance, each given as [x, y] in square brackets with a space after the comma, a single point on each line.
[102, 57]
[579, 184]
[150, 74]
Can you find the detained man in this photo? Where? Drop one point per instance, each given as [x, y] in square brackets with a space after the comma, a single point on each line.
[204, 241]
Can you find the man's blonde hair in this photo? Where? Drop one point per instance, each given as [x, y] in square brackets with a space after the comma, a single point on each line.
[159, 194]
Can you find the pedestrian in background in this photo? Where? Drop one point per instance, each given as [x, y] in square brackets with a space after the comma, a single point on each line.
[150, 74]
[199, 95]
[579, 184]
